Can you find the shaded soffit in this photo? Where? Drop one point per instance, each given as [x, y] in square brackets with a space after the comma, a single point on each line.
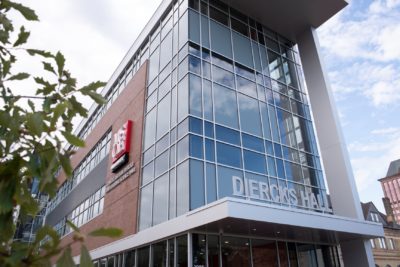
[289, 17]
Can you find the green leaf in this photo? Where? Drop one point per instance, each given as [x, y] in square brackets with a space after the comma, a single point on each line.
[86, 260]
[99, 99]
[57, 112]
[66, 259]
[22, 37]
[47, 87]
[65, 164]
[31, 105]
[34, 123]
[19, 76]
[77, 106]
[28, 13]
[92, 87]
[73, 140]
[60, 60]
[108, 232]
[42, 53]
[47, 66]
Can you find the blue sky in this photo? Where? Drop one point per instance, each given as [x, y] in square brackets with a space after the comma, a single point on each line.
[362, 56]
[360, 47]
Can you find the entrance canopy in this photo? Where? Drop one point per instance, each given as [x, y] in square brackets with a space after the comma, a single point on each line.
[241, 217]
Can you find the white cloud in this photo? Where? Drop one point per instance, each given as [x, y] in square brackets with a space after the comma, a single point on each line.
[384, 92]
[385, 131]
[362, 51]
[371, 166]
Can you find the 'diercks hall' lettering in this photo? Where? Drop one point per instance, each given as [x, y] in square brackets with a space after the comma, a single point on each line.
[253, 189]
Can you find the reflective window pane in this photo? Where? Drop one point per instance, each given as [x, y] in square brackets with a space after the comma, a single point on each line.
[229, 155]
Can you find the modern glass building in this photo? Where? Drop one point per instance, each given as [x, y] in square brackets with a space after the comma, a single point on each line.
[206, 153]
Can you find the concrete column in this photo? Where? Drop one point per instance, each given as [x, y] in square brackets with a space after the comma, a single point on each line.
[339, 174]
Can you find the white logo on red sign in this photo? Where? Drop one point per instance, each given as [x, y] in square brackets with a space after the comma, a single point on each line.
[121, 142]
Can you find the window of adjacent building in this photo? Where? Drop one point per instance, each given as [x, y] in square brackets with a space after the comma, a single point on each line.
[391, 243]
[374, 217]
[382, 242]
[372, 243]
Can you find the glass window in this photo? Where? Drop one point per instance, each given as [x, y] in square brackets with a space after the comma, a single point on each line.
[143, 256]
[235, 251]
[271, 166]
[194, 64]
[166, 50]
[148, 173]
[249, 115]
[146, 197]
[161, 163]
[280, 168]
[165, 87]
[181, 244]
[225, 106]
[254, 161]
[129, 258]
[242, 50]
[310, 176]
[222, 62]
[253, 142]
[183, 149]
[195, 103]
[208, 103]
[183, 128]
[282, 252]
[293, 172]
[246, 87]
[229, 155]
[239, 27]
[199, 249]
[244, 71]
[274, 125]
[256, 56]
[211, 183]
[196, 184]
[220, 39]
[275, 66]
[183, 29]
[196, 146]
[227, 135]
[150, 129]
[174, 107]
[153, 65]
[223, 77]
[162, 144]
[159, 254]
[160, 203]
[194, 26]
[182, 184]
[210, 150]
[164, 108]
[172, 193]
[195, 125]
[213, 250]
[183, 97]
[218, 16]
[208, 129]
[264, 253]
[205, 39]
[225, 181]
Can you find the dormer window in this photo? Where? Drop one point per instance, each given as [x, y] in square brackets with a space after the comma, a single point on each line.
[374, 217]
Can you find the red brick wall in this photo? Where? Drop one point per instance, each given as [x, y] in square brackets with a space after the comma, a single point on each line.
[120, 203]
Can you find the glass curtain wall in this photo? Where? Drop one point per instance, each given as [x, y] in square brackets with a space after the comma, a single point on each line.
[226, 115]
[215, 250]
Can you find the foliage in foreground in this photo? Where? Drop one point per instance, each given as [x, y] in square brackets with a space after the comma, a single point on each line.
[35, 130]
